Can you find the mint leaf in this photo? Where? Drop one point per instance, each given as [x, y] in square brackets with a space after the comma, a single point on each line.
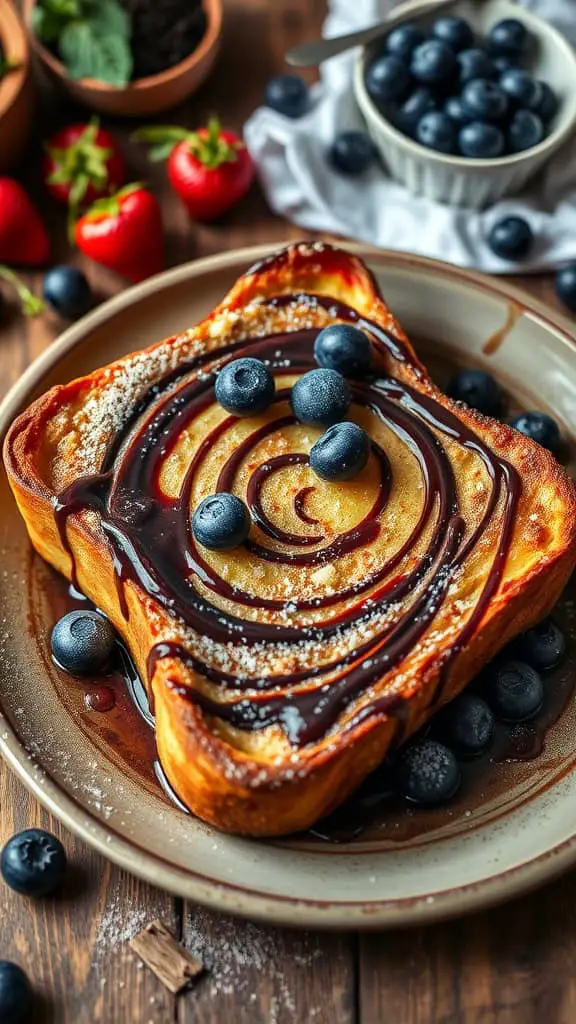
[46, 25]
[63, 8]
[109, 19]
[77, 50]
[112, 60]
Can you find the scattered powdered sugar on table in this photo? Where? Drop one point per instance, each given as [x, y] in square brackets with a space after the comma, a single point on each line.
[119, 923]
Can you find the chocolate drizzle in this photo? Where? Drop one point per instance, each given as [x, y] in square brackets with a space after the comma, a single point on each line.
[150, 537]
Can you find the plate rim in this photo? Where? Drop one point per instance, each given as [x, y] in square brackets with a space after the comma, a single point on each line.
[229, 897]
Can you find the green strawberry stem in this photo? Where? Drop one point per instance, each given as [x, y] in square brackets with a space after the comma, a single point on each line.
[111, 204]
[207, 144]
[80, 165]
[31, 304]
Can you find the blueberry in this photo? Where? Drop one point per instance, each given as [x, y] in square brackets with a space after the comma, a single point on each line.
[387, 79]
[221, 522]
[15, 994]
[504, 63]
[83, 642]
[341, 453]
[245, 387]
[467, 725]
[433, 62]
[543, 646]
[456, 111]
[67, 291]
[539, 427]
[288, 94]
[427, 773]
[546, 105]
[522, 90]
[478, 389]
[437, 131]
[481, 141]
[404, 39]
[514, 690]
[33, 862]
[344, 348]
[352, 152]
[474, 64]
[508, 37]
[484, 100]
[455, 32]
[407, 114]
[566, 286]
[511, 238]
[320, 398]
[525, 130]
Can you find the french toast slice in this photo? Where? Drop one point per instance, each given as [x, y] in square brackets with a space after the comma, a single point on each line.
[281, 673]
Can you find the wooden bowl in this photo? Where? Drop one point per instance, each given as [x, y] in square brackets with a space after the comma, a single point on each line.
[16, 90]
[145, 96]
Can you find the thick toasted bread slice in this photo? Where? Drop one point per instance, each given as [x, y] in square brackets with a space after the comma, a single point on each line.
[281, 673]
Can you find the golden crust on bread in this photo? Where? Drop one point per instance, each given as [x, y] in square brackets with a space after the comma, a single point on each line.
[281, 673]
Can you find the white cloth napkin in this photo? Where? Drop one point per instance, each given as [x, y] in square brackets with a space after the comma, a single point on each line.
[300, 185]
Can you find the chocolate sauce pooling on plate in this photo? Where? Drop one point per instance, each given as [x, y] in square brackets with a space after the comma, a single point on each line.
[152, 543]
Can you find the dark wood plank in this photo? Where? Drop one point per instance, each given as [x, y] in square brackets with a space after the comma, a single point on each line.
[260, 975]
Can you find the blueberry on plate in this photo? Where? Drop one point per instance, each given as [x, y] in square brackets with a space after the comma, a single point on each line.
[456, 111]
[524, 131]
[67, 291]
[467, 725]
[508, 37]
[566, 286]
[404, 39]
[320, 398]
[437, 131]
[481, 141]
[341, 453]
[514, 690]
[543, 646]
[33, 862]
[287, 94]
[477, 389]
[455, 32]
[539, 427]
[245, 387]
[484, 100]
[405, 116]
[352, 152]
[474, 64]
[15, 994]
[511, 238]
[387, 79]
[521, 88]
[546, 106]
[433, 62]
[344, 348]
[427, 773]
[221, 522]
[83, 642]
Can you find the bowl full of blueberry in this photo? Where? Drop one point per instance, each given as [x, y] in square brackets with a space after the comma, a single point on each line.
[465, 107]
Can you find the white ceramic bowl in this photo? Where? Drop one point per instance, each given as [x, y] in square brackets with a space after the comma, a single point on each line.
[458, 180]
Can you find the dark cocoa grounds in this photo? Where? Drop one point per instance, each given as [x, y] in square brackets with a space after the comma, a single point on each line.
[164, 32]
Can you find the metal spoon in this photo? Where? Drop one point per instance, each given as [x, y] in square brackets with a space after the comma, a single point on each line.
[309, 55]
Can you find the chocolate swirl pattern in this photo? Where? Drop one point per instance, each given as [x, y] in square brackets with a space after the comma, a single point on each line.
[361, 595]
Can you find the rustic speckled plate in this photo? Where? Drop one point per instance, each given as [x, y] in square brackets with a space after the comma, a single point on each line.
[512, 827]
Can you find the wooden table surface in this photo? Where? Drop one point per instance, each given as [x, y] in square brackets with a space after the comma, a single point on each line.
[513, 965]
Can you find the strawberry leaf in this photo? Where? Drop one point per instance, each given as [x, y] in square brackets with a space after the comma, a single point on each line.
[30, 303]
[162, 138]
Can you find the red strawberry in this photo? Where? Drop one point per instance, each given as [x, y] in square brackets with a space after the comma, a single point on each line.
[124, 232]
[83, 162]
[23, 238]
[210, 169]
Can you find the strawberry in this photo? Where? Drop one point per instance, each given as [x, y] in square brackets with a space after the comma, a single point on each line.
[210, 169]
[124, 232]
[82, 163]
[23, 237]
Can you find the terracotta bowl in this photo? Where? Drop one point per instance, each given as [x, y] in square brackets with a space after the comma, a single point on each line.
[15, 89]
[145, 96]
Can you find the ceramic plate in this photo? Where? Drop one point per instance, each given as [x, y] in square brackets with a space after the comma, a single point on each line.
[513, 824]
